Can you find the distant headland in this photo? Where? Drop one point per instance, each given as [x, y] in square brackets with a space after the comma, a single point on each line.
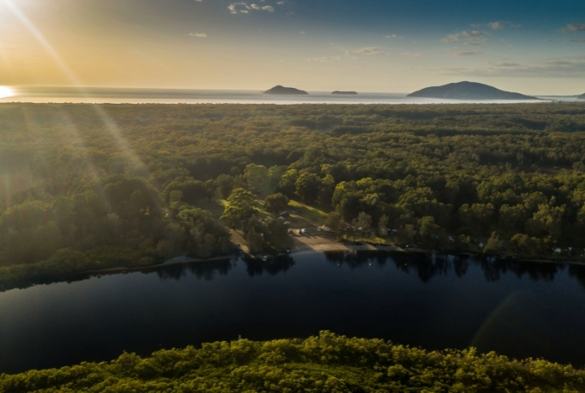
[469, 91]
[282, 90]
[345, 93]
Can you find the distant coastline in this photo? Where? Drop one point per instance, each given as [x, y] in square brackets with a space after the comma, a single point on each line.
[345, 93]
[175, 96]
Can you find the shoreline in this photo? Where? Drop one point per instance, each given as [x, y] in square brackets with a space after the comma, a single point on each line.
[321, 244]
[325, 244]
[316, 244]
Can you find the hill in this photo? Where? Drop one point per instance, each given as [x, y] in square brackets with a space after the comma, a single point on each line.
[326, 363]
[469, 91]
[282, 90]
[345, 93]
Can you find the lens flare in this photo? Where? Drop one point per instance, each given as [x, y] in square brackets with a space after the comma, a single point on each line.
[6, 92]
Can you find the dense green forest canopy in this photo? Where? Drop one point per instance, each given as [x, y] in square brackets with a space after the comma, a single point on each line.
[325, 363]
[90, 186]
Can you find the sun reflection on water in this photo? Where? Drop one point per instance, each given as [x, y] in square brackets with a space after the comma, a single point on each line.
[6, 92]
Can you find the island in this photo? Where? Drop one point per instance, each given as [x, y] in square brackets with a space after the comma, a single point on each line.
[282, 90]
[345, 93]
[581, 97]
[469, 91]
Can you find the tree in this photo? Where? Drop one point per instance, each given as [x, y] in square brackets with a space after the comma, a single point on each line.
[477, 217]
[547, 221]
[276, 203]
[494, 245]
[204, 236]
[288, 181]
[363, 223]
[224, 184]
[523, 244]
[308, 187]
[334, 221]
[429, 232]
[512, 218]
[254, 240]
[240, 208]
[258, 179]
[327, 187]
[383, 225]
[187, 190]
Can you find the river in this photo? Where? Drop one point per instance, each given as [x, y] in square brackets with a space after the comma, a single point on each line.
[518, 309]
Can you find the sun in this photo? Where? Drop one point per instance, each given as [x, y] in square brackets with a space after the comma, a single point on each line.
[6, 92]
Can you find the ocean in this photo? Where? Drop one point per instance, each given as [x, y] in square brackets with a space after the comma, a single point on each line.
[186, 96]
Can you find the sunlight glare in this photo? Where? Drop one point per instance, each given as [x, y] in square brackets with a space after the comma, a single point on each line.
[6, 92]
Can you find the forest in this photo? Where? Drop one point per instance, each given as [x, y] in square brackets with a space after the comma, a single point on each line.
[323, 363]
[88, 187]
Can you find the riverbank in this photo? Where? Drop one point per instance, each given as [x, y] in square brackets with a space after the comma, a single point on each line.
[319, 243]
[24, 276]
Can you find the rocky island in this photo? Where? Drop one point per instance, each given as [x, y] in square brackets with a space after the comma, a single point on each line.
[469, 91]
[282, 90]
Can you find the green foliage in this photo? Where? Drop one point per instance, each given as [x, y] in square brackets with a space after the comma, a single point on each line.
[240, 209]
[325, 363]
[276, 203]
[203, 235]
[516, 172]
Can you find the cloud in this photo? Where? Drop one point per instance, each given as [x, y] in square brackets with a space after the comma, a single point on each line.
[247, 7]
[497, 25]
[198, 35]
[466, 37]
[572, 67]
[575, 27]
[324, 59]
[392, 36]
[367, 51]
[467, 52]
[411, 54]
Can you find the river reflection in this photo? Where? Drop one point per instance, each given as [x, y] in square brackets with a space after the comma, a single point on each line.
[435, 301]
[424, 266]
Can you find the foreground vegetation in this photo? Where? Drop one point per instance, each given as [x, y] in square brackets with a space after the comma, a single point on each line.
[326, 363]
[87, 187]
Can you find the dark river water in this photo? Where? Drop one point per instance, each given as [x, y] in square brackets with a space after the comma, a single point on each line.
[518, 309]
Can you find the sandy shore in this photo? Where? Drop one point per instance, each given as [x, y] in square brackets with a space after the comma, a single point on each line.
[327, 244]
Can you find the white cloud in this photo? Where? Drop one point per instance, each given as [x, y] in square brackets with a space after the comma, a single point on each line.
[367, 51]
[575, 27]
[497, 25]
[467, 37]
[571, 67]
[323, 59]
[467, 52]
[246, 7]
[411, 54]
[198, 35]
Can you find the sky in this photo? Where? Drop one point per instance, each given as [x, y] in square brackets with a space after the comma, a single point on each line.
[531, 46]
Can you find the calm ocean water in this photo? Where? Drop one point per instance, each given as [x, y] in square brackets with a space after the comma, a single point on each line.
[178, 96]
